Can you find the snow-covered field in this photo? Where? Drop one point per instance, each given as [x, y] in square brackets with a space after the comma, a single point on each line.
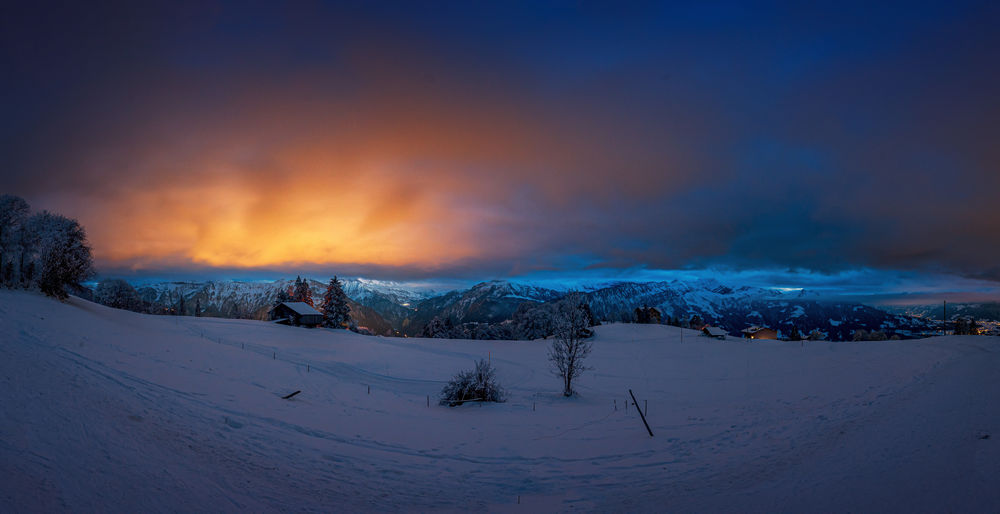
[104, 410]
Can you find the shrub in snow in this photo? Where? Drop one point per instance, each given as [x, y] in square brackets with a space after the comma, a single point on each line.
[478, 384]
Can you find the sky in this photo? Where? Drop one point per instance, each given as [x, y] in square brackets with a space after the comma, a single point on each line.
[786, 143]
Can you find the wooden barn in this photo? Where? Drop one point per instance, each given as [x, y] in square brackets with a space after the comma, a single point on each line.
[715, 332]
[296, 314]
[760, 333]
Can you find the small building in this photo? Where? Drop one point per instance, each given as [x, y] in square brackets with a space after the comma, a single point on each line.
[756, 332]
[715, 332]
[296, 314]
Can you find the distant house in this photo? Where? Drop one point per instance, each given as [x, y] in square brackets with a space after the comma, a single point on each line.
[756, 332]
[715, 332]
[648, 315]
[296, 314]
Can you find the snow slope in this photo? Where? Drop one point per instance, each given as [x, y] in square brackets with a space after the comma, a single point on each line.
[106, 410]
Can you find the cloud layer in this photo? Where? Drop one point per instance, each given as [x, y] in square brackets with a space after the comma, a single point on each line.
[507, 141]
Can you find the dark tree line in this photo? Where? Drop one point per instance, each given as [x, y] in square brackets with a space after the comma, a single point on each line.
[44, 251]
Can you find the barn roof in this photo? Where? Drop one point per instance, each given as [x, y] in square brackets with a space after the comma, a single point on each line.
[715, 331]
[302, 308]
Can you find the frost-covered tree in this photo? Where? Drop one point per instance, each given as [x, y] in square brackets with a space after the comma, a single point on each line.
[117, 293]
[436, 329]
[62, 253]
[13, 213]
[570, 346]
[533, 321]
[538, 320]
[336, 311]
[479, 384]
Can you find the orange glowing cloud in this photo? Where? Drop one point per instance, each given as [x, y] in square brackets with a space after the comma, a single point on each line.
[282, 174]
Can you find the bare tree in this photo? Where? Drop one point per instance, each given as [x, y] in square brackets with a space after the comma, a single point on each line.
[571, 346]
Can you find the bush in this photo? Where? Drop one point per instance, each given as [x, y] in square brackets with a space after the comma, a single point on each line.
[479, 384]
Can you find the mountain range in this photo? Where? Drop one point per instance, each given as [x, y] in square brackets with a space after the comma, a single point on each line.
[390, 308]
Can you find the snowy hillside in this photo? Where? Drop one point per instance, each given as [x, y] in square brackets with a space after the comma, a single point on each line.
[108, 410]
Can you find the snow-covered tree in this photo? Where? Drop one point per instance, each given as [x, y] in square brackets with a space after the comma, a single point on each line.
[63, 255]
[570, 347]
[13, 213]
[794, 334]
[533, 321]
[117, 293]
[816, 335]
[435, 329]
[336, 311]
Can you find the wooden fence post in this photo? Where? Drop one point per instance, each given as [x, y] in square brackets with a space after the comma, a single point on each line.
[643, 416]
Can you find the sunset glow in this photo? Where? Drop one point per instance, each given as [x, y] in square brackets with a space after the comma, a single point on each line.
[410, 146]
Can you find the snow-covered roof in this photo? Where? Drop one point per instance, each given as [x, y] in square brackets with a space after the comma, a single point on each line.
[302, 308]
[715, 331]
[753, 329]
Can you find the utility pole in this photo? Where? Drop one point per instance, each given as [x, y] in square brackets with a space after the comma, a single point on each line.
[944, 318]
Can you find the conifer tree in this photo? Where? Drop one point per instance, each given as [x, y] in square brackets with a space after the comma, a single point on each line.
[302, 292]
[336, 312]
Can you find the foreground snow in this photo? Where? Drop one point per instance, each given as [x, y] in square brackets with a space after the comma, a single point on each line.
[106, 410]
